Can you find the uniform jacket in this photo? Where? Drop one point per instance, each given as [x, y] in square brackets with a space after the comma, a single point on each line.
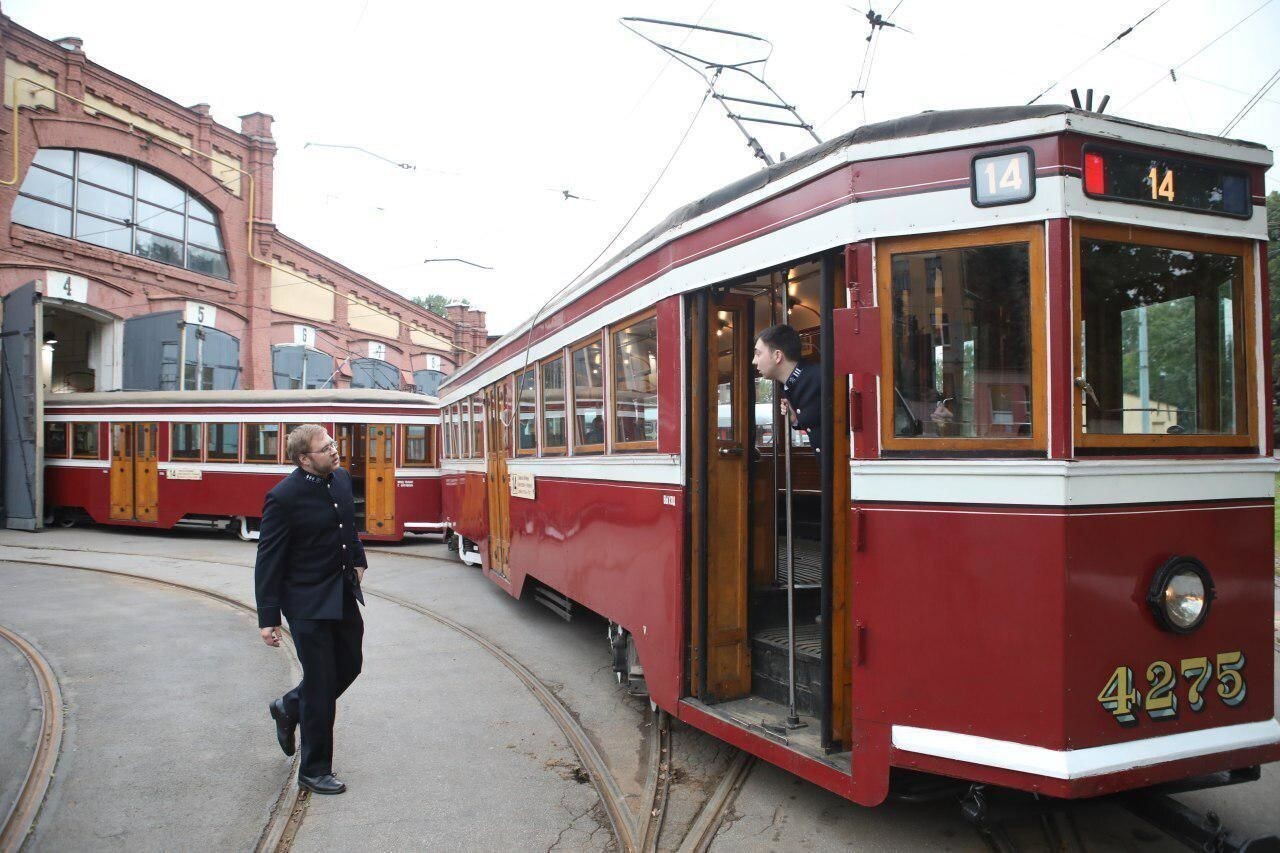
[306, 544]
[803, 389]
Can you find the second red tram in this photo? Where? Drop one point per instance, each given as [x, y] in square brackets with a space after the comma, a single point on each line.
[163, 458]
[1037, 551]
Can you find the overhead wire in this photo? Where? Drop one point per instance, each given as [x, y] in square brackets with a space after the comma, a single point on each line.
[1251, 103]
[1126, 32]
[1205, 47]
[533, 322]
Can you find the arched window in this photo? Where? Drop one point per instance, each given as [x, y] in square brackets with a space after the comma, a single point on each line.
[428, 381]
[296, 366]
[118, 205]
[374, 373]
[154, 346]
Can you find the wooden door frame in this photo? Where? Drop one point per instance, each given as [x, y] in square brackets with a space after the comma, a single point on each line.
[127, 444]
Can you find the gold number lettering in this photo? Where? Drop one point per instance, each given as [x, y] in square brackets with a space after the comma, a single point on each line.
[1231, 686]
[1161, 703]
[1166, 185]
[1012, 177]
[1120, 698]
[1160, 187]
[1198, 671]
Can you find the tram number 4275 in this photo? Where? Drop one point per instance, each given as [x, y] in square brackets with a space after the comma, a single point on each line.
[1124, 700]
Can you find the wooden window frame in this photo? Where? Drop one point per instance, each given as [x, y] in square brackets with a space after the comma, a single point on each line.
[464, 427]
[244, 440]
[67, 440]
[1032, 234]
[404, 447]
[200, 430]
[515, 422]
[562, 450]
[612, 396]
[599, 339]
[477, 425]
[239, 458]
[96, 428]
[1247, 364]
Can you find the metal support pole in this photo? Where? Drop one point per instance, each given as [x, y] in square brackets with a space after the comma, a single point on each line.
[793, 719]
[182, 355]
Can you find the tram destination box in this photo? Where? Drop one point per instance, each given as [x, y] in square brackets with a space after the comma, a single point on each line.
[1158, 180]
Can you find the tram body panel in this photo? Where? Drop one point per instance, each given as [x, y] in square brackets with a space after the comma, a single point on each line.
[616, 548]
[1113, 556]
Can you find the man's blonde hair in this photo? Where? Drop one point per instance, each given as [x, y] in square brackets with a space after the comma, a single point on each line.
[299, 442]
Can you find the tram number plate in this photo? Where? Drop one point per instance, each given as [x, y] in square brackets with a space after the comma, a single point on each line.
[522, 486]
[1005, 177]
[185, 474]
[1164, 699]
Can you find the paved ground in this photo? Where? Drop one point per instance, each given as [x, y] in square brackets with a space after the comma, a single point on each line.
[441, 745]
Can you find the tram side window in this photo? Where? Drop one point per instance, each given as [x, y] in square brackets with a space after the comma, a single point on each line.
[417, 446]
[477, 426]
[635, 385]
[446, 430]
[224, 442]
[1163, 340]
[84, 441]
[962, 342]
[554, 436]
[527, 394]
[55, 440]
[261, 442]
[184, 444]
[588, 398]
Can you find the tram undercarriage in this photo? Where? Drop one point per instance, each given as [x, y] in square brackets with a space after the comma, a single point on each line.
[769, 647]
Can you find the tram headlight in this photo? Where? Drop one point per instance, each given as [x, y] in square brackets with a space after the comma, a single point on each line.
[1180, 595]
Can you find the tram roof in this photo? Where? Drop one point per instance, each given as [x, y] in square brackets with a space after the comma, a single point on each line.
[311, 396]
[927, 123]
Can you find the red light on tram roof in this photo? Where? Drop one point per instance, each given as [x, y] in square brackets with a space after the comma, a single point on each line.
[1094, 174]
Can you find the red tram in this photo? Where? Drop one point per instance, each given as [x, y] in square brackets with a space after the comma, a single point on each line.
[163, 458]
[1038, 551]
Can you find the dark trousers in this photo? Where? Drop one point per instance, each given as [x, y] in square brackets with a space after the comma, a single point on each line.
[331, 657]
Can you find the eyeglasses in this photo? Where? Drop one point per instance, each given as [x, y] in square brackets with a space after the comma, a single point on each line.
[328, 448]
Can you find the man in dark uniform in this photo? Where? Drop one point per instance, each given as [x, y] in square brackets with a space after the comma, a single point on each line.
[310, 565]
[777, 357]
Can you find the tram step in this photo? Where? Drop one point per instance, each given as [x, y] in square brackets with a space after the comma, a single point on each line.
[769, 666]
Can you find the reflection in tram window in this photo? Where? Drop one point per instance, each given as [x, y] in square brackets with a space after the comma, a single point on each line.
[417, 446]
[295, 366]
[55, 440]
[635, 384]
[1163, 339]
[261, 442]
[588, 398]
[527, 392]
[224, 442]
[184, 444]
[84, 441]
[554, 435]
[962, 342]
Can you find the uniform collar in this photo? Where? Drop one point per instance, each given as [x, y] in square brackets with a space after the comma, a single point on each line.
[795, 374]
[314, 478]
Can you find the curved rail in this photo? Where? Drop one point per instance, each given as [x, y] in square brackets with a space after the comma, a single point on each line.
[22, 815]
[704, 828]
[290, 806]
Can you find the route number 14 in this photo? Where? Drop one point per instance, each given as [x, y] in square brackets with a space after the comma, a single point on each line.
[1161, 188]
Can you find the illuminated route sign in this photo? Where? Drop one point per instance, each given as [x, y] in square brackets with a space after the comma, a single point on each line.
[1162, 181]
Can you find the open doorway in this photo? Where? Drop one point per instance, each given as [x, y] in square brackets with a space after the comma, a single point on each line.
[768, 635]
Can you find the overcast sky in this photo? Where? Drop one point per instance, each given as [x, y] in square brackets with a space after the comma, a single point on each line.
[500, 106]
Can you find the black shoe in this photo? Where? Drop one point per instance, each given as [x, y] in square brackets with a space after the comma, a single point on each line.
[326, 784]
[285, 727]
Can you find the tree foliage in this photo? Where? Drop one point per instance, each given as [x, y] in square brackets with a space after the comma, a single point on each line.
[435, 302]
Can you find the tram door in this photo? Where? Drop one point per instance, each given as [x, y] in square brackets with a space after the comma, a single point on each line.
[133, 481]
[498, 481]
[380, 478]
[728, 444]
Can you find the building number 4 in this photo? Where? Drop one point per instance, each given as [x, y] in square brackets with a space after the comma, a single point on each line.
[1123, 699]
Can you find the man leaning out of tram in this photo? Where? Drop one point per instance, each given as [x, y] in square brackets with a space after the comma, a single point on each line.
[777, 357]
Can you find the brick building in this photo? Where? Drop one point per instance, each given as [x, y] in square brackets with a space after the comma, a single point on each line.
[142, 232]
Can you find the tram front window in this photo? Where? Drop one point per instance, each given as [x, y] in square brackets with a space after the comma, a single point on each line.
[962, 342]
[1163, 340]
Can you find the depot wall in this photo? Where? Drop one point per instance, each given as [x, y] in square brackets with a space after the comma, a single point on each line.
[277, 291]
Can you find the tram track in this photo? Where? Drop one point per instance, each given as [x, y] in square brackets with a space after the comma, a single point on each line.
[287, 811]
[633, 832]
[21, 817]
